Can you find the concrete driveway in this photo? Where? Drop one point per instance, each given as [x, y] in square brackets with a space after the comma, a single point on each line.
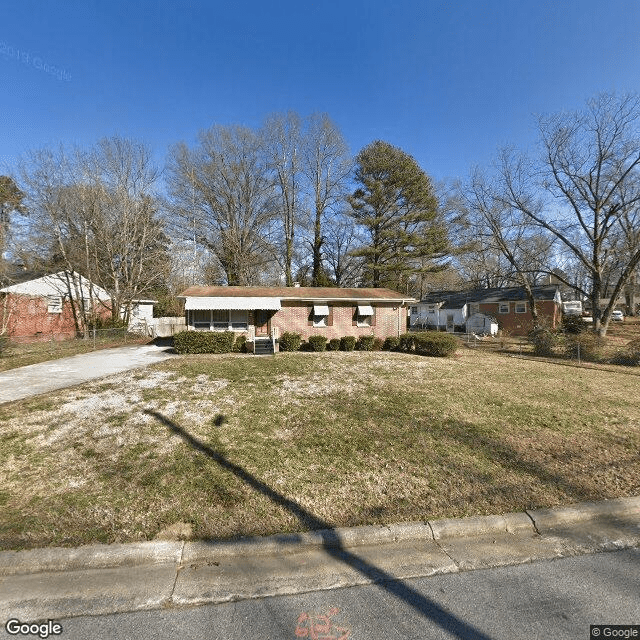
[34, 379]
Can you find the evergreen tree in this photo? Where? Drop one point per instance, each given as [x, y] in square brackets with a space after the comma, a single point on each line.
[397, 206]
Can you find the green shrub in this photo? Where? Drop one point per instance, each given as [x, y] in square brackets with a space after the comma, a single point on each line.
[203, 341]
[392, 343]
[240, 345]
[433, 343]
[290, 341]
[334, 344]
[629, 355]
[585, 346]
[365, 343]
[347, 343]
[573, 324]
[377, 344]
[544, 342]
[318, 343]
[406, 342]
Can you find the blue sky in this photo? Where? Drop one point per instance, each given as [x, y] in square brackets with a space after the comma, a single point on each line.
[448, 81]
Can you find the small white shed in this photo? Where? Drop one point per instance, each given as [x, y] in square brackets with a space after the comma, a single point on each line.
[482, 324]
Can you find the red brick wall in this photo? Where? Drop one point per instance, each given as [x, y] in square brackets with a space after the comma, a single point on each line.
[297, 318]
[520, 324]
[29, 317]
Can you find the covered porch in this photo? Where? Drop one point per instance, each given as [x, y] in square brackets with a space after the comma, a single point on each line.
[249, 315]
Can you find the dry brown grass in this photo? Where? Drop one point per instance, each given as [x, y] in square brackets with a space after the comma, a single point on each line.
[222, 442]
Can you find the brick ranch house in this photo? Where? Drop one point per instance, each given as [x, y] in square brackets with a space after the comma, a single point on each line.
[46, 308]
[265, 313]
[509, 307]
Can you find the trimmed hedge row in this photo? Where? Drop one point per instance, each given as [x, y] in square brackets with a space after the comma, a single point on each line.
[425, 343]
[203, 341]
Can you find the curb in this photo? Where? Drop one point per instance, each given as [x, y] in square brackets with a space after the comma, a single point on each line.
[624, 511]
[627, 509]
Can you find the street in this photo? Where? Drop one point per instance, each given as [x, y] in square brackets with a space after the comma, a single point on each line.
[551, 599]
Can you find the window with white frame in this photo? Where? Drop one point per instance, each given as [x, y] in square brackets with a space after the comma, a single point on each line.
[220, 319]
[238, 320]
[201, 319]
[521, 307]
[54, 304]
[503, 307]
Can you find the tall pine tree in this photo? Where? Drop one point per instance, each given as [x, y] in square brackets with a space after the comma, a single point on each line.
[397, 206]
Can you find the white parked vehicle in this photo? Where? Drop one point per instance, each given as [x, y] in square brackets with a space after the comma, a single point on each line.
[617, 316]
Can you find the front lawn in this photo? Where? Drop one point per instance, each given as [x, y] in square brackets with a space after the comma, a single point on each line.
[243, 445]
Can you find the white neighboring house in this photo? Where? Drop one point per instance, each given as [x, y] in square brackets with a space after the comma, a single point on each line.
[482, 324]
[446, 311]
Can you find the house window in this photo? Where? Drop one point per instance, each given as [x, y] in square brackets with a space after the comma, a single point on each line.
[320, 315]
[201, 319]
[220, 319]
[239, 320]
[503, 307]
[365, 315]
[414, 311]
[54, 304]
[521, 307]
[320, 321]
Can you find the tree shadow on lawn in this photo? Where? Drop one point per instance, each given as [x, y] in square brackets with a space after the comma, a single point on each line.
[500, 452]
[332, 544]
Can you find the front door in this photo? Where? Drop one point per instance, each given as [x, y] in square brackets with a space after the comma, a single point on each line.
[262, 322]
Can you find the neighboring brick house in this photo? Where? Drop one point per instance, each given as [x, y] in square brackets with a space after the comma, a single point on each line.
[452, 310]
[47, 308]
[265, 313]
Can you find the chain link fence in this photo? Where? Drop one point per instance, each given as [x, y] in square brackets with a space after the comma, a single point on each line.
[64, 342]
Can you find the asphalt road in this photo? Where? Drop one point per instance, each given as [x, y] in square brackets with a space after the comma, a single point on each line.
[551, 600]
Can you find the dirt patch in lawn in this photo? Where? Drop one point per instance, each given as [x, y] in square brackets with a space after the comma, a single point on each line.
[221, 446]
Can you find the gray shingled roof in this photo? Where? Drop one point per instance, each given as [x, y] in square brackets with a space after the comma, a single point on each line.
[457, 299]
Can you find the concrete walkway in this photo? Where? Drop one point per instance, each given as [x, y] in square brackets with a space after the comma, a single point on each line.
[103, 579]
[34, 379]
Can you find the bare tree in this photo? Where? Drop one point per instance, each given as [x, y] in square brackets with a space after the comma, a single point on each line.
[282, 138]
[340, 240]
[504, 232]
[221, 194]
[590, 175]
[326, 165]
[95, 214]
